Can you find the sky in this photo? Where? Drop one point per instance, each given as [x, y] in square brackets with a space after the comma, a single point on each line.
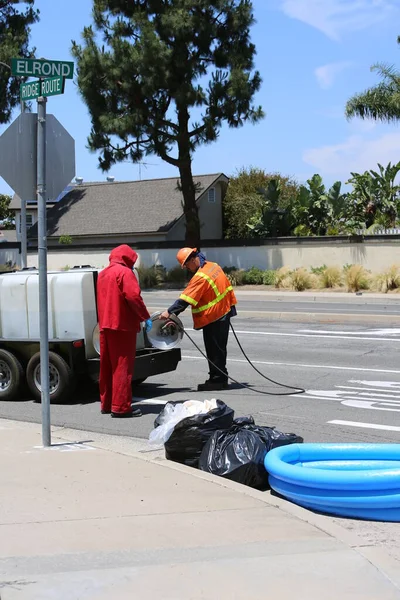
[312, 55]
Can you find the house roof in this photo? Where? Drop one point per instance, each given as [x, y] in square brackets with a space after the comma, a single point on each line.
[148, 206]
[15, 203]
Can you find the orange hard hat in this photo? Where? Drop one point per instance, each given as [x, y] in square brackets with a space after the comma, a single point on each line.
[184, 254]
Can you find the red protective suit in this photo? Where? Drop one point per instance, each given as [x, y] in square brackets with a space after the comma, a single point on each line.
[120, 310]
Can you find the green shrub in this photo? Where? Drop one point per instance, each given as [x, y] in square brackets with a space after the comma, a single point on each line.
[388, 280]
[176, 275]
[347, 266]
[150, 277]
[318, 270]
[65, 268]
[65, 239]
[269, 277]
[282, 277]
[236, 277]
[253, 276]
[356, 278]
[301, 280]
[331, 277]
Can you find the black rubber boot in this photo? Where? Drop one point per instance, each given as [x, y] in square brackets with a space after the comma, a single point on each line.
[135, 412]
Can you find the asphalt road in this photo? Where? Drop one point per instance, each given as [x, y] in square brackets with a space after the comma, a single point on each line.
[350, 372]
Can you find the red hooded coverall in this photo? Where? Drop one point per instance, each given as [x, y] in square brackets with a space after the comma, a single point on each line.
[120, 310]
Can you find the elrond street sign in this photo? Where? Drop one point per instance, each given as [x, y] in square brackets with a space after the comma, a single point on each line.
[38, 67]
[44, 87]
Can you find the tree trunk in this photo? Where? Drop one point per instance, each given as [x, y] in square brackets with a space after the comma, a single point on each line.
[192, 233]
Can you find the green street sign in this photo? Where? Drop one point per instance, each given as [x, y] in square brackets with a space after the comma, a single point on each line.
[46, 87]
[35, 67]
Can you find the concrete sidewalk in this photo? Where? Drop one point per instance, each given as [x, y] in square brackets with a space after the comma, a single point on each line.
[99, 517]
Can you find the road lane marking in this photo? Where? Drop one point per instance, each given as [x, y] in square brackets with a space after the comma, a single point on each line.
[365, 391]
[305, 335]
[136, 401]
[300, 365]
[364, 425]
[389, 331]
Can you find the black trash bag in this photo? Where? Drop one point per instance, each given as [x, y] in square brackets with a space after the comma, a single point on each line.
[238, 453]
[190, 435]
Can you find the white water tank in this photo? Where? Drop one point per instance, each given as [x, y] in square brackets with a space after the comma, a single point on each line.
[71, 304]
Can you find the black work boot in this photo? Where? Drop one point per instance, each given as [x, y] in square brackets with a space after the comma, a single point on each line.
[134, 412]
[212, 385]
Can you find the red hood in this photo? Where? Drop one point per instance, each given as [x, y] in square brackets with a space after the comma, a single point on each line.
[123, 255]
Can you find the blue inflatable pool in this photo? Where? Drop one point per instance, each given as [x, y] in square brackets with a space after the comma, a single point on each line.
[351, 480]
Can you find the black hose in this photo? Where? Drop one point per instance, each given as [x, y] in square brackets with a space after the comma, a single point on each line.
[248, 387]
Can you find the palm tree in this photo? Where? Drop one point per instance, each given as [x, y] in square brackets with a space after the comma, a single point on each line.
[381, 102]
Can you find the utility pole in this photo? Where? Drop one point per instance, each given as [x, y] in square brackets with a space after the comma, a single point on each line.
[42, 256]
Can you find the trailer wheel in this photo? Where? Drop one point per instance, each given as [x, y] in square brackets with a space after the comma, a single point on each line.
[61, 378]
[11, 375]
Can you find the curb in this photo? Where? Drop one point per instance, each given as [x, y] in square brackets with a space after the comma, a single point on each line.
[375, 555]
[323, 297]
[316, 317]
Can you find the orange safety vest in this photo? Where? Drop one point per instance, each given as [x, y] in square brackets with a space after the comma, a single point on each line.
[210, 295]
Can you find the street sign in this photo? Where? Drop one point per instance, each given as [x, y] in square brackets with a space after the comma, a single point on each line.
[18, 156]
[45, 87]
[35, 67]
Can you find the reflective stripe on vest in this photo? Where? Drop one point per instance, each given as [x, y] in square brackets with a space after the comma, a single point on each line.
[188, 299]
[218, 296]
[213, 302]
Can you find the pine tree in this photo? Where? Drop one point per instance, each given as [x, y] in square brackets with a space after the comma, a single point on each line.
[163, 78]
[14, 42]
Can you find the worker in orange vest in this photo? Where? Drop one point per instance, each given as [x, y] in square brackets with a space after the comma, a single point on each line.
[213, 301]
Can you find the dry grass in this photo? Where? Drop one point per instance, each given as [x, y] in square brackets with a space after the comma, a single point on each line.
[388, 280]
[330, 277]
[282, 278]
[237, 277]
[356, 278]
[301, 279]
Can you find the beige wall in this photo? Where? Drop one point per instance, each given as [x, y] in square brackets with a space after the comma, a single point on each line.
[374, 255]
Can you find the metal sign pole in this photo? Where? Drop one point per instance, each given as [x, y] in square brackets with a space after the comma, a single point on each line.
[23, 234]
[42, 256]
[24, 262]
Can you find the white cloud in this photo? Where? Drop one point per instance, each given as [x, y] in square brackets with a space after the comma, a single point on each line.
[356, 153]
[337, 17]
[327, 74]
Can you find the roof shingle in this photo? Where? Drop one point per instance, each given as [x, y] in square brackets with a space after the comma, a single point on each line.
[148, 206]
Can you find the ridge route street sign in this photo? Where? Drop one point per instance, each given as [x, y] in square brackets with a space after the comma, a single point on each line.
[32, 90]
[39, 67]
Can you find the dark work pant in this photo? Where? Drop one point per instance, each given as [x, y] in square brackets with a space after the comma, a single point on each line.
[215, 336]
[117, 358]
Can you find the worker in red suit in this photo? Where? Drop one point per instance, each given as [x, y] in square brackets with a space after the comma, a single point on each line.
[121, 310]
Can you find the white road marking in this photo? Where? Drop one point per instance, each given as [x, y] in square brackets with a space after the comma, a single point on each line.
[378, 384]
[357, 397]
[300, 365]
[365, 391]
[137, 401]
[305, 335]
[67, 447]
[389, 331]
[365, 425]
